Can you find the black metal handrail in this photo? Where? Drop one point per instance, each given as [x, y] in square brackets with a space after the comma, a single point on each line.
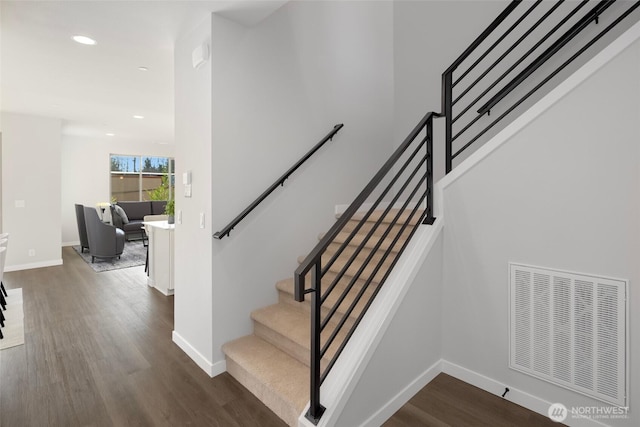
[591, 16]
[226, 231]
[469, 125]
[416, 198]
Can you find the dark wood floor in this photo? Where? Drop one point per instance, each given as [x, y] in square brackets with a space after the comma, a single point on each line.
[98, 352]
[447, 401]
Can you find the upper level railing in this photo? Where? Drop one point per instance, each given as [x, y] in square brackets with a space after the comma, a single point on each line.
[523, 49]
[526, 49]
[226, 231]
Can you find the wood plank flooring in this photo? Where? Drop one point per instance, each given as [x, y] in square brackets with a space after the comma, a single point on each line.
[447, 401]
[98, 352]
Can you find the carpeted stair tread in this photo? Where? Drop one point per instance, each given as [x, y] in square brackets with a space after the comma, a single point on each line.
[349, 250]
[379, 231]
[389, 217]
[278, 380]
[288, 328]
[339, 264]
[372, 241]
[286, 292]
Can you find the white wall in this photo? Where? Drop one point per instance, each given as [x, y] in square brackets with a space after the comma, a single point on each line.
[564, 193]
[86, 174]
[31, 174]
[193, 251]
[278, 88]
[407, 354]
[427, 37]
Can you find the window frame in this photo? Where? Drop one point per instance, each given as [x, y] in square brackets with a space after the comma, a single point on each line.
[170, 174]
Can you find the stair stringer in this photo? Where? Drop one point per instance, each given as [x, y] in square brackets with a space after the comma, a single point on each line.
[351, 368]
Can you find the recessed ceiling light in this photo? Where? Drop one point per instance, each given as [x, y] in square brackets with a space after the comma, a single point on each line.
[110, 134]
[84, 40]
[143, 69]
[138, 117]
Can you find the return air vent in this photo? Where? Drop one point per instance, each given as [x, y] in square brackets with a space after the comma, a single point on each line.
[569, 329]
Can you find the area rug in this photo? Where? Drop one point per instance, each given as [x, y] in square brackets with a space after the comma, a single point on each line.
[13, 330]
[133, 255]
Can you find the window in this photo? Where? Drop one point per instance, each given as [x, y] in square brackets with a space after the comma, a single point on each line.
[138, 178]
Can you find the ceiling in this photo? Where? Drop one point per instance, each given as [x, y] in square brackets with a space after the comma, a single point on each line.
[96, 90]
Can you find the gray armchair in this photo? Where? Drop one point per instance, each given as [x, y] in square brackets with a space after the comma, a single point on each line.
[82, 228]
[105, 241]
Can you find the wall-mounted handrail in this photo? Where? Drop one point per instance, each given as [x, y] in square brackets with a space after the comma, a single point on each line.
[226, 231]
[551, 50]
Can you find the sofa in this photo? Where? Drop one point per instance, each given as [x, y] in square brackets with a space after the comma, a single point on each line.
[128, 216]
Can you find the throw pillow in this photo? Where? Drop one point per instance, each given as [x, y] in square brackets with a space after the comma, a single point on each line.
[123, 215]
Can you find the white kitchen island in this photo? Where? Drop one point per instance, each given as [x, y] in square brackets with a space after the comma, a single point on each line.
[160, 255]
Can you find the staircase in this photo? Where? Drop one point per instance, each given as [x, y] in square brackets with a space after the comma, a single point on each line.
[281, 362]
[273, 362]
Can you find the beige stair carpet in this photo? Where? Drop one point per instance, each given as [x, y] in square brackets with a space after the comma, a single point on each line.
[273, 362]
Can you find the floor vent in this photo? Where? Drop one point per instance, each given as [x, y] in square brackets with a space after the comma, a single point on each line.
[569, 329]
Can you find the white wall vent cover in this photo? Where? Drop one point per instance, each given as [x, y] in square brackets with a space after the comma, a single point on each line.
[569, 329]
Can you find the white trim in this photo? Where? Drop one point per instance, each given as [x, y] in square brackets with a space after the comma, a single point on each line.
[74, 243]
[29, 266]
[398, 401]
[574, 80]
[349, 368]
[514, 395]
[212, 369]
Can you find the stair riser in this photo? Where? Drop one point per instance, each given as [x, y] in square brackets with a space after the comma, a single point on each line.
[290, 347]
[390, 216]
[293, 349]
[368, 270]
[362, 253]
[380, 230]
[272, 400]
[285, 298]
[371, 242]
[338, 265]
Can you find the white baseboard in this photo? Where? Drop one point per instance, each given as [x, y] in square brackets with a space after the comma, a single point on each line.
[31, 265]
[391, 407]
[519, 397]
[212, 369]
[74, 243]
